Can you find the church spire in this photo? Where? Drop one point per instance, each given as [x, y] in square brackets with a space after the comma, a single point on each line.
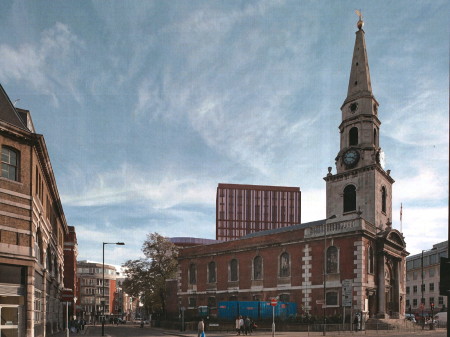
[359, 84]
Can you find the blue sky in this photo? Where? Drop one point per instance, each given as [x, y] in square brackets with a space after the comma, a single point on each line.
[147, 105]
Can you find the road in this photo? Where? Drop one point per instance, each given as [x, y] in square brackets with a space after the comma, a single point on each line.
[131, 330]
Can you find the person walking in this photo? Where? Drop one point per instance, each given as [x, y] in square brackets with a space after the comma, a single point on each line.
[201, 328]
[238, 326]
[247, 323]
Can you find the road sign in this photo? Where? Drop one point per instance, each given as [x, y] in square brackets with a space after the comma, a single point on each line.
[347, 293]
[273, 302]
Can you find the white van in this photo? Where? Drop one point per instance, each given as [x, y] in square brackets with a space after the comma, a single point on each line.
[441, 319]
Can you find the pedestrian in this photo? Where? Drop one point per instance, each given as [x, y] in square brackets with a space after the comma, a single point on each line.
[247, 324]
[241, 324]
[355, 322]
[201, 328]
[238, 326]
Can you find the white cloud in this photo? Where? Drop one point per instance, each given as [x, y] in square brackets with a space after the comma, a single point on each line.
[48, 65]
[426, 185]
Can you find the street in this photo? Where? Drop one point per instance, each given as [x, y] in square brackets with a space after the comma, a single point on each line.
[132, 330]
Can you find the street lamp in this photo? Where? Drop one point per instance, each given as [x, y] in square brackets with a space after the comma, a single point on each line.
[422, 287]
[103, 281]
[325, 271]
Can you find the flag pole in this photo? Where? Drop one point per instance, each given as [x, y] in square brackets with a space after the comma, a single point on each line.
[401, 214]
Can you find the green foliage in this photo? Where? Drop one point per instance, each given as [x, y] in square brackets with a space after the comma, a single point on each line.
[145, 277]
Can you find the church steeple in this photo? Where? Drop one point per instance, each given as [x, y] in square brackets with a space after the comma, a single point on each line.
[359, 84]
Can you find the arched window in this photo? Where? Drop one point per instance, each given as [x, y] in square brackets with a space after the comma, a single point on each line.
[211, 272]
[192, 274]
[257, 268]
[383, 199]
[332, 260]
[233, 270]
[10, 163]
[49, 260]
[349, 198]
[284, 265]
[370, 260]
[375, 139]
[353, 136]
[38, 252]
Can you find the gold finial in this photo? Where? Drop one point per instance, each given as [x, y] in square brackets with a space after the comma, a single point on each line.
[360, 23]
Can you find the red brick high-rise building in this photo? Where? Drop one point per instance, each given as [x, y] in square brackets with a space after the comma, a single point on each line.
[246, 209]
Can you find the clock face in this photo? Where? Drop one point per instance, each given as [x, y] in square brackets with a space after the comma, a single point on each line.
[351, 157]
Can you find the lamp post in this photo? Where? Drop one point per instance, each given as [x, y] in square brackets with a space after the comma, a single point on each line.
[325, 271]
[103, 282]
[422, 287]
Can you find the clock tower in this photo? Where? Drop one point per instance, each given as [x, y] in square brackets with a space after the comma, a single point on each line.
[361, 188]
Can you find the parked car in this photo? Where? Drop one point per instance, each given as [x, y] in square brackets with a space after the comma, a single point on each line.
[441, 319]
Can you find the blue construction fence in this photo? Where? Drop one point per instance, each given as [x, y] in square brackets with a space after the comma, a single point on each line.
[256, 310]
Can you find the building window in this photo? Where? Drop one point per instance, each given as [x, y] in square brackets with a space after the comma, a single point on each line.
[212, 302]
[257, 268]
[441, 300]
[192, 302]
[407, 290]
[349, 198]
[407, 303]
[415, 302]
[332, 298]
[431, 300]
[431, 272]
[233, 270]
[192, 274]
[415, 275]
[284, 297]
[10, 163]
[415, 289]
[37, 306]
[353, 136]
[211, 272]
[284, 265]
[422, 287]
[383, 199]
[431, 286]
[332, 260]
[371, 261]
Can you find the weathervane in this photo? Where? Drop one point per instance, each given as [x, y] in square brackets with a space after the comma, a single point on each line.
[360, 23]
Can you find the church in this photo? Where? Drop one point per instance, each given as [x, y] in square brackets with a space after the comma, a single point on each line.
[353, 260]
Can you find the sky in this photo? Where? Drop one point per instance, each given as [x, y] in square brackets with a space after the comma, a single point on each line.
[147, 105]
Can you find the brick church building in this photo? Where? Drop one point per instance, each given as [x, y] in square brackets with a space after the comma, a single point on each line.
[353, 258]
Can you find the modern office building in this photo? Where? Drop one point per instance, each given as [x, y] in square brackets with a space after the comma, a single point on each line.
[352, 259]
[32, 229]
[90, 276]
[422, 280]
[246, 209]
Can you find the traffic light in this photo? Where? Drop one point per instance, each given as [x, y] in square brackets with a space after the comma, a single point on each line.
[432, 305]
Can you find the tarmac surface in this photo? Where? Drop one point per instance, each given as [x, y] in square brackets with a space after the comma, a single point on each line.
[135, 330]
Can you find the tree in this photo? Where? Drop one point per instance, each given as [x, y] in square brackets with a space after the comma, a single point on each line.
[145, 277]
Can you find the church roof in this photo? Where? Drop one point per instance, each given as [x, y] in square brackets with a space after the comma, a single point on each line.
[8, 112]
[359, 84]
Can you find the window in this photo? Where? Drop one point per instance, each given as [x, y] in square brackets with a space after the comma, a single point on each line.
[415, 275]
[415, 289]
[212, 302]
[383, 199]
[332, 298]
[371, 261]
[211, 272]
[407, 290]
[415, 302]
[431, 272]
[375, 139]
[192, 302]
[431, 286]
[349, 198]
[233, 270]
[422, 287]
[192, 274]
[37, 306]
[353, 136]
[257, 268]
[416, 263]
[423, 301]
[441, 300]
[284, 298]
[10, 163]
[433, 259]
[332, 260]
[431, 300]
[284, 265]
